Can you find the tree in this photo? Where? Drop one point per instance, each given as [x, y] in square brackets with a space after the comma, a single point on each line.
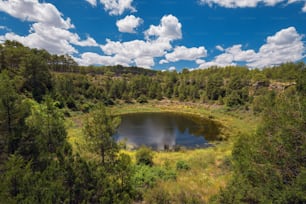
[271, 162]
[38, 77]
[11, 115]
[301, 82]
[214, 87]
[99, 128]
[16, 181]
[45, 135]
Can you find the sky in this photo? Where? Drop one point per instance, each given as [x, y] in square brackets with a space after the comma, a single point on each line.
[161, 34]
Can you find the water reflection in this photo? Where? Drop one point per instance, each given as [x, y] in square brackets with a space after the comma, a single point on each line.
[165, 130]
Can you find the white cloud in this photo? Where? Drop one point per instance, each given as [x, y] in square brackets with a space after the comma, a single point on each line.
[184, 53]
[36, 41]
[90, 58]
[240, 55]
[222, 60]
[285, 46]
[128, 24]
[220, 48]
[142, 54]
[89, 42]
[304, 8]
[172, 69]
[240, 3]
[55, 40]
[136, 48]
[145, 62]
[117, 7]
[92, 2]
[200, 61]
[33, 11]
[49, 30]
[248, 3]
[139, 52]
[169, 29]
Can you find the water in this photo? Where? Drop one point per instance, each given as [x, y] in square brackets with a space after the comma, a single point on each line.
[166, 130]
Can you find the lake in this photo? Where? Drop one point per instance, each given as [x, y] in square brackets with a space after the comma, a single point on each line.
[166, 130]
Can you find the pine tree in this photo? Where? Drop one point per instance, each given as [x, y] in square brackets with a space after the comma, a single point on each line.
[99, 129]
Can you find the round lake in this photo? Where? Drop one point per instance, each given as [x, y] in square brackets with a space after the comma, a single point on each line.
[166, 130]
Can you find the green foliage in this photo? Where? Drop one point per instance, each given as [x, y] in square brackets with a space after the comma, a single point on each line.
[270, 163]
[301, 82]
[99, 128]
[182, 165]
[146, 176]
[37, 76]
[214, 87]
[16, 181]
[144, 155]
[142, 99]
[45, 133]
[11, 116]
[37, 164]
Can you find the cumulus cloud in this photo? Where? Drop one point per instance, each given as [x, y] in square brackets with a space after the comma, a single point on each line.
[222, 60]
[92, 2]
[117, 7]
[142, 52]
[33, 11]
[145, 62]
[248, 3]
[114, 7]
[139, 52]
[128, 24]
[136, 48]
[55, 40]
[169, 29]
[184, 53]
[90, 58]
[172, 69]
[50, 31]
[285, 46]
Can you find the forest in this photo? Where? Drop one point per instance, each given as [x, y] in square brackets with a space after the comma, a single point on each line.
[41, 93]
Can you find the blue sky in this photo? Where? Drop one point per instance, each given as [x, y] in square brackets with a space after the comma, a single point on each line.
[161, 34]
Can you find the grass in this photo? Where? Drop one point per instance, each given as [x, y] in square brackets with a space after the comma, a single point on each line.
[210, 168]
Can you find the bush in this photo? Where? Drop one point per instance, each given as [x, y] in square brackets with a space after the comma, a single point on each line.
[146, 176]
[142, 99]
[182, 165]
[144, 156]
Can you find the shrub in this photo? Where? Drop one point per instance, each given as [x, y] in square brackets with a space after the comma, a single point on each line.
[144, 156]
[142, 99]
[182, 165]
[146, 176]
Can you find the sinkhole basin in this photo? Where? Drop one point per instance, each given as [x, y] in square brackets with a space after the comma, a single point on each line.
[166, 130]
